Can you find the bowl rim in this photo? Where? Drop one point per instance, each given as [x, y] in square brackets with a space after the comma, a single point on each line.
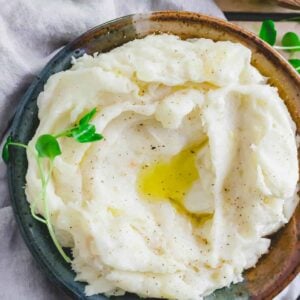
[269, 51]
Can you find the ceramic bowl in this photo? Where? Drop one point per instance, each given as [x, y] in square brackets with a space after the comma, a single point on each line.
[275, 269]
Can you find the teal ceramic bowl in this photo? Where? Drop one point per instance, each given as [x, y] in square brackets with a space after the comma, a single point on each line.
[274, 270]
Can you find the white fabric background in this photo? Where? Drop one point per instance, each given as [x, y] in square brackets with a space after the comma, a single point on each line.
[30, 31]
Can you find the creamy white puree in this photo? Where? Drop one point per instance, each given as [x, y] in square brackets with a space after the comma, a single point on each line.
[156, 97]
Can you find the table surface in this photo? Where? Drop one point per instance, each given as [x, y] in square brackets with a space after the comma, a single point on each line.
[258, 6]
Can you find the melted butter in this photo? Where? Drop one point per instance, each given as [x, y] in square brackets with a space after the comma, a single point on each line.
[142, 85]
[171, 180]
[201, 86]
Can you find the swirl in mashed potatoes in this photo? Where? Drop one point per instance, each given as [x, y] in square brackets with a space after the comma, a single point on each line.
[198, 166]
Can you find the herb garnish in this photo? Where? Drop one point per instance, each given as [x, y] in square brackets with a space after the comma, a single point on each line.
[47, 148]
[268, 32]
[295, 63]
[290, 41]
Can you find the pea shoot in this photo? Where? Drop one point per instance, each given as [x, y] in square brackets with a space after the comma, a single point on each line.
[268, 32]
[47, 148]
[290, 42]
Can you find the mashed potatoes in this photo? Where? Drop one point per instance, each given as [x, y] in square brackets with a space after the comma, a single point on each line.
[198, 165]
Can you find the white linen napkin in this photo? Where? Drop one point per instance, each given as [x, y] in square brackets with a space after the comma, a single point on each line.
[30, 32]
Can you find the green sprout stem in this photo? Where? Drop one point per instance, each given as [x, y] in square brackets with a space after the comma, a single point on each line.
[32, 209]
[64, 133]
[287, 48]
[45, 181]
[17, 144]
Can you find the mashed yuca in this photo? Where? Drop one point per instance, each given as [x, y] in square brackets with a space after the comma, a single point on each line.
[198, 165]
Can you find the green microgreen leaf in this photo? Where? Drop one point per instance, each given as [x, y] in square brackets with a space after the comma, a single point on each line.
[88, 117]
[47, 146]
[295, 63]
[5, 151]
[83, 132]
[268, 32]
[86, 133]
[291, 40]
[96, 137]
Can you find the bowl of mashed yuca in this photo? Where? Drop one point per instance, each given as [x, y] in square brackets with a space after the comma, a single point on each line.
[161, 162]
